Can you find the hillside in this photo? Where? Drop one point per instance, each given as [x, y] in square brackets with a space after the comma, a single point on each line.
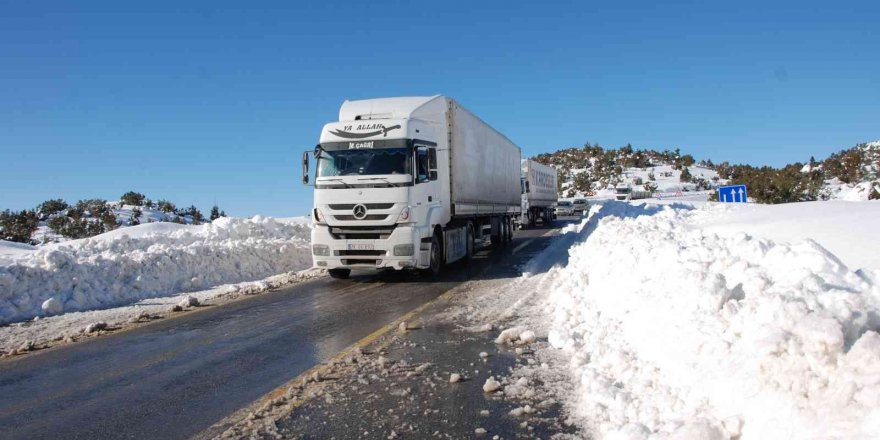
[56, 220]
[851, 174]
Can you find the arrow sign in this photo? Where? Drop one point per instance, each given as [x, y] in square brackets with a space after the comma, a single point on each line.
[733, 194]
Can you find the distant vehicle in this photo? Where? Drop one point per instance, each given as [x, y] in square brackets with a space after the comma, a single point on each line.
[579, 206]
[627, 193]
[538, 193]
[564, 207]
[410, 183]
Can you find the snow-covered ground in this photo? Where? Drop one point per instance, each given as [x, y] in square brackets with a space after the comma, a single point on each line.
[146, 261]
[706, 321]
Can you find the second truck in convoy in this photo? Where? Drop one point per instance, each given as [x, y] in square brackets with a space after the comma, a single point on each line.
[410, 183]
[538, 193]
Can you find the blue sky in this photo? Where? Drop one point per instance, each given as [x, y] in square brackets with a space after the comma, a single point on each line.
[214, 101]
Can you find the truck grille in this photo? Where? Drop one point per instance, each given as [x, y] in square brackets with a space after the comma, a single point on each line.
[350, 206]
[351, 262]
[360, 253]
[362, 232]
[366, 217]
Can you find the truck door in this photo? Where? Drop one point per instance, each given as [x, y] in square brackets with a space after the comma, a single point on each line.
[427, 192]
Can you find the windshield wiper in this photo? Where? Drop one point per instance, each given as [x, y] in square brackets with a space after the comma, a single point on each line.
[375, 178]
[345, 185]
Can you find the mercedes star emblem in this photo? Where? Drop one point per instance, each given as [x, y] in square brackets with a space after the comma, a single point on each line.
[360, 211]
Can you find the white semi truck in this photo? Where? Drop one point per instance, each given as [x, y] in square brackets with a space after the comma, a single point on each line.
[409, 183]
[626, 192]
[538, 193]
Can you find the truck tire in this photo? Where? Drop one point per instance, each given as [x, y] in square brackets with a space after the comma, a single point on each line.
[510, 230]
[436, 260]
[340, 274]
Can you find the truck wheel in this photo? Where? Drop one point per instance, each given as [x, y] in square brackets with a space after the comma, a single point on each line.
[339, 273]
[506, 233]
[436, 258]
[509, 230]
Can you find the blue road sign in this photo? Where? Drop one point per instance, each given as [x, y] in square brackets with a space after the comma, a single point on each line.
[733, 194]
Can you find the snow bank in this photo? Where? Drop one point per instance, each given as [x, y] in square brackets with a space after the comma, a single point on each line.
[846, 229]
[146, 261]
[673, 331]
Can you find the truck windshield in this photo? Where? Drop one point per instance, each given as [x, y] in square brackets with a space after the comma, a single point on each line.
[365, 162]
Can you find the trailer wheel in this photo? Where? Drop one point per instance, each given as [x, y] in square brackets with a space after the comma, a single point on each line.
[436, 262]
[509, 230]
[340, 274]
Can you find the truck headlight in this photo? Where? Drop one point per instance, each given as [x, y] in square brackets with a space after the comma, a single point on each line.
[404, 216]
[403, 250]
[321, 250]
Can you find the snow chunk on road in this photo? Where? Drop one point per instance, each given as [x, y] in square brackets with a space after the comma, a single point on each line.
[491, 385]
[508, 335]
[528, 337]
[516, 334]
[685, 333]
[146, 261]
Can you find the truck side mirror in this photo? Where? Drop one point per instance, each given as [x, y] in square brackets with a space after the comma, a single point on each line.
[305, 170]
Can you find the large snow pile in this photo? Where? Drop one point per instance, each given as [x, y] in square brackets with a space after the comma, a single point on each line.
[145, 261]
[673, 331]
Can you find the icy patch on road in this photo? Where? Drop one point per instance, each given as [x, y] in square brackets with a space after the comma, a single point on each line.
[673, 332]
[146, 261]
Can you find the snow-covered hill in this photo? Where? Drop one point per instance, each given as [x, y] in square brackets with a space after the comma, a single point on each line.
[851, 174]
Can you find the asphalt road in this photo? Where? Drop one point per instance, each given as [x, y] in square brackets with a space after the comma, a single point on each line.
[176, 377]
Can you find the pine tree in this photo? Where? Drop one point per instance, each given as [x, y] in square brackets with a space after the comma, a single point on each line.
[135, 218]
[18, 227]
[133, 198]
[51, 207]
[875, 192]
[215, 213]
[685, 175]
[166, 206]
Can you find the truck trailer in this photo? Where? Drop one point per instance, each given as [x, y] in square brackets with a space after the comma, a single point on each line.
[539, 193]
[409, 183]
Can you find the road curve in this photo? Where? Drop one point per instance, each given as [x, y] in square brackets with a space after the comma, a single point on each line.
[174, 378]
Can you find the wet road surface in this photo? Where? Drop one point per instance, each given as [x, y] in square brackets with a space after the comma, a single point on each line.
[176, 377]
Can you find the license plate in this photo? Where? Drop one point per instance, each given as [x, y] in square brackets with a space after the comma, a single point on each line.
[360, 247]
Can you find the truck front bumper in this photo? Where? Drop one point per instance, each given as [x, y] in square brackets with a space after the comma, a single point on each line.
[402, 249]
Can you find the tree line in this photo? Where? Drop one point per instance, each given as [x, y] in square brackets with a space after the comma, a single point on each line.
[90, 217]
